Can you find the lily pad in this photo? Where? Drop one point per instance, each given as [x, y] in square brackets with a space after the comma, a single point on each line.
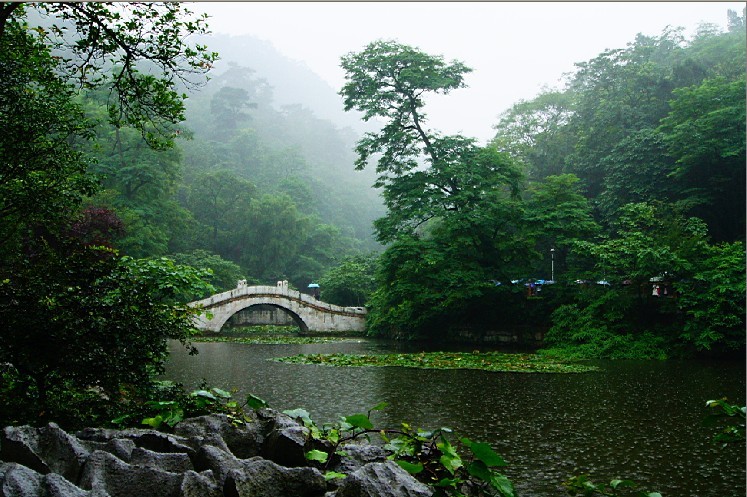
[269, 339]
[485, 361]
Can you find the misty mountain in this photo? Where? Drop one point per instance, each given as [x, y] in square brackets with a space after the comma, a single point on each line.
[272, 121]
[293, 82]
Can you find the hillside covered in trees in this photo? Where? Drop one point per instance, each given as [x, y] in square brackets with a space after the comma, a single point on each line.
[627, 185]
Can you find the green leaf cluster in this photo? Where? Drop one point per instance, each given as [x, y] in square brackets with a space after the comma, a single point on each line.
[582, 485]
[427, 455]
[730, 415]
[85, 329]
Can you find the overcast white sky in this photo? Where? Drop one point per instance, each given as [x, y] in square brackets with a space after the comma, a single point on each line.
[514, 49]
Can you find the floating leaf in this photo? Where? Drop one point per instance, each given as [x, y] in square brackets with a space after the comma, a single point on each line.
[621, 483]
[488, 361]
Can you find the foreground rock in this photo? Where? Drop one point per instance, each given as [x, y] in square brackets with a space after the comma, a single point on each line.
[204, 457]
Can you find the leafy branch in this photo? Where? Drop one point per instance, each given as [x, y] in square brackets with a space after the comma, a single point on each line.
[427, 455]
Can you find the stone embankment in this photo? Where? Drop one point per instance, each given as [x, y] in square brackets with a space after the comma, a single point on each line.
[206, 456]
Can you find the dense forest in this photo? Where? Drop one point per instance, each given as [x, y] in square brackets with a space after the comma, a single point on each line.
[626, 187]
[257, 190]
[131, 183]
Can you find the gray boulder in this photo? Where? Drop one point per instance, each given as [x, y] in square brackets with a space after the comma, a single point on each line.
[147, 439]
[19, 481]
[217, 461]
[105, 473]
[56, 486]
[357, 456]
[286, 442]
[173, 462]
[243, 441]
[382, 479]
[200, 485]
[45, 450]
[262, 478]
[119, 447]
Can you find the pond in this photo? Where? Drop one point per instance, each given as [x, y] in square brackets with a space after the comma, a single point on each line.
[633, 419]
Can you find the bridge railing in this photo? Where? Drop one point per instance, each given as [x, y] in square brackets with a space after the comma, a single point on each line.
[277, 291]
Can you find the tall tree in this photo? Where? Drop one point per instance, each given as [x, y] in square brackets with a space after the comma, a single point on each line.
[557, 215]
[705, 134]
[388, 80]
[220, 200]
[228, 107]
[454, 212]
[43, 176]
[534, 132]
[81, 319]
[137, 51]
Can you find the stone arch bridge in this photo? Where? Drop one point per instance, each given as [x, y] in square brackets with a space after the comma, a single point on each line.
[309, 314]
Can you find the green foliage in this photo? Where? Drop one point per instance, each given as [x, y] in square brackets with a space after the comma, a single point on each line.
[661, 119]
[224, 274]
[420, 289]
[532, 132]
[733, 416]
[97, 323]
[387, 79]
[579, 334]
[703, 308]
[228, 109]
[169, 404]
[427, 455]
[637, 170]
[220, 200]
[709, 167]
[280, 150]
[557, 215]
[582, 485]
[351, 282]
[713, 299]
[485, 361]
[110, 44]
[43, 174]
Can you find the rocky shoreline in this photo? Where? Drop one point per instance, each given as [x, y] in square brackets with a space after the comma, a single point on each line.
[207, 456]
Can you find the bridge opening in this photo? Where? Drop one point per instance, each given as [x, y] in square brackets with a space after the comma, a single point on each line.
[264, 318]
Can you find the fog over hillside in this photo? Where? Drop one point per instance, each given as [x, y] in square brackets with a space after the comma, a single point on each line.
[293, 82]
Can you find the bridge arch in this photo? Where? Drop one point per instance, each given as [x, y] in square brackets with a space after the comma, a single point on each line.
[248, 303]
[310, 314]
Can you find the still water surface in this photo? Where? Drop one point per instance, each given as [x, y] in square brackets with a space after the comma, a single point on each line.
[634, 419]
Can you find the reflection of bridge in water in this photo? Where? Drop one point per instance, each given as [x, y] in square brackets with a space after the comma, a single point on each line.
[309, 314]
